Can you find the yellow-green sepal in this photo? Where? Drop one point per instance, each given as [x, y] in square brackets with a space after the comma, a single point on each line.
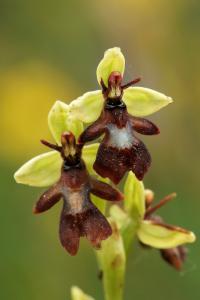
[112, 61]
[45, 169]
[60, 120]
[41, 171]
[87, 108]
[163, 236]
[142, 101]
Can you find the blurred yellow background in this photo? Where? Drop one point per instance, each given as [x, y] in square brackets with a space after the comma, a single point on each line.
[50, 50]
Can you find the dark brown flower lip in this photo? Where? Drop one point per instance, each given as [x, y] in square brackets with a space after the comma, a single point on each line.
[90, 224]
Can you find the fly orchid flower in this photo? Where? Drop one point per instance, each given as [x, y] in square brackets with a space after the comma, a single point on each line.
[138, 216]
[116, 111]
[79, 215]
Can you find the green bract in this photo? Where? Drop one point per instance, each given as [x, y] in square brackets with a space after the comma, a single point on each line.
[113, 60]
[78, 294]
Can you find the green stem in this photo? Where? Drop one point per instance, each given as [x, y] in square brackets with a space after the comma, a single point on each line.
[112, 262]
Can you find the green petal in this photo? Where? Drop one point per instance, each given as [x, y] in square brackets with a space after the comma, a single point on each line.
[78, 294]
[60, 120]
[113, 60]
[163, 236]
[143, 102]
[89, 156]
[42, 170]
[134, 197]
[88, 107]
[112, 262]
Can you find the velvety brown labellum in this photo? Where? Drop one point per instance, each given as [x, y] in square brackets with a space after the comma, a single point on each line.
[120, 150]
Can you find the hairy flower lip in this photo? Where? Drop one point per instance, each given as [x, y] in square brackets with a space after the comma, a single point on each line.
[113, 160]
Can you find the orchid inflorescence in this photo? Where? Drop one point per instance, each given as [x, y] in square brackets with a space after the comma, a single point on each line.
[80, 174]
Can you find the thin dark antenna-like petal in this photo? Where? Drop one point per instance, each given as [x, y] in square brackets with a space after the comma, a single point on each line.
[105, 191]
[48, 199]
[92, 132]
[144, 126]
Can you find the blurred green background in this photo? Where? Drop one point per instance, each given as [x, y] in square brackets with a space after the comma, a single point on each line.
[50, 50]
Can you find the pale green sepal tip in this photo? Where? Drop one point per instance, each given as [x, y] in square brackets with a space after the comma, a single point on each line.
[41, 171]
[134, 203]
[78, 294]
[87, 108]
[161, 237]
[113, 60]
[57, 119]
[143, 101]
